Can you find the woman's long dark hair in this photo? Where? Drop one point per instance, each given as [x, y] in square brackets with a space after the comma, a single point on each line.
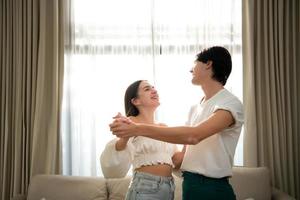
[131, 93]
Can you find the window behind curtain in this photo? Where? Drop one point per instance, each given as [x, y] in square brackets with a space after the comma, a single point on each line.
[115, 42]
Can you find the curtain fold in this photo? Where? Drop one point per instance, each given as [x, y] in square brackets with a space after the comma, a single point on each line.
[31, 58]
[271, 54]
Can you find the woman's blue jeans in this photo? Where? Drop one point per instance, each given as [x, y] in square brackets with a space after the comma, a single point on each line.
[146, 186]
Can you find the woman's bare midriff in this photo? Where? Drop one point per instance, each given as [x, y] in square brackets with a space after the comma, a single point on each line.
[158, 170]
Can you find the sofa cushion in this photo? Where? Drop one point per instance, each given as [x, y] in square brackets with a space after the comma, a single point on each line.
[58, 187]
[252, 183]
[117, 188]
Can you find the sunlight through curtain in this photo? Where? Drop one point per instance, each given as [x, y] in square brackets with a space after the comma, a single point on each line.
[112, 43]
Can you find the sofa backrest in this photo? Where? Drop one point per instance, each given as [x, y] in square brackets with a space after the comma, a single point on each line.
[248, 183]
[58, 187]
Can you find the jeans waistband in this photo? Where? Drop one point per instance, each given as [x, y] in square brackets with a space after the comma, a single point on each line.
[148, 176]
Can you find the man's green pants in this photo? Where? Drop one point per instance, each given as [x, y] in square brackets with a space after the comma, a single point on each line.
[198, 187]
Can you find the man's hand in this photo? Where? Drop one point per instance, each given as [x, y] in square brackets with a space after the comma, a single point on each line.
[122, 126]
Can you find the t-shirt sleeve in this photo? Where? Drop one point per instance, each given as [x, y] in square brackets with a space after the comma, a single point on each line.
[235, 107]
[115, 164]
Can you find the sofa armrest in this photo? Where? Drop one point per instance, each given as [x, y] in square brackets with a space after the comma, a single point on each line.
[279, 195]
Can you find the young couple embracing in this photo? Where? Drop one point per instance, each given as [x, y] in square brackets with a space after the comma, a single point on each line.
[210, 137]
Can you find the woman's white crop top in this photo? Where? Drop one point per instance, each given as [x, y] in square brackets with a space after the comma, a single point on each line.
[140, 151]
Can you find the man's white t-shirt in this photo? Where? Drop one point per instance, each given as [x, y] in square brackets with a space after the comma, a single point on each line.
[213, 156]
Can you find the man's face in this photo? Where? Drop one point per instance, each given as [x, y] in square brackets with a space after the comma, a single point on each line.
[201, 71]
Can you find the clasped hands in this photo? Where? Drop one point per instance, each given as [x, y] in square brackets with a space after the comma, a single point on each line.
[122, 126]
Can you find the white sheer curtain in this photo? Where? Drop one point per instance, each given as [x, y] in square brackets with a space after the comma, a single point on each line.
[115, 42]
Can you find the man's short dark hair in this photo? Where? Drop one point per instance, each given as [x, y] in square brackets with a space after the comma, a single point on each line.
[221, 62]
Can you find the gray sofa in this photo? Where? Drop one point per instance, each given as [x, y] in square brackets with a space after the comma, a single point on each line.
[248, 183]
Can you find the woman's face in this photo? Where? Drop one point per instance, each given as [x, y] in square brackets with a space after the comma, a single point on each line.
[147, 95]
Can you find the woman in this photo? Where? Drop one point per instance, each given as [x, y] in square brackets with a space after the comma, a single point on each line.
[151, 159]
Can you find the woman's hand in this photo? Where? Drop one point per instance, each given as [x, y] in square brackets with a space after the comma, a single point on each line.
[177, 159]
[120, 118]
